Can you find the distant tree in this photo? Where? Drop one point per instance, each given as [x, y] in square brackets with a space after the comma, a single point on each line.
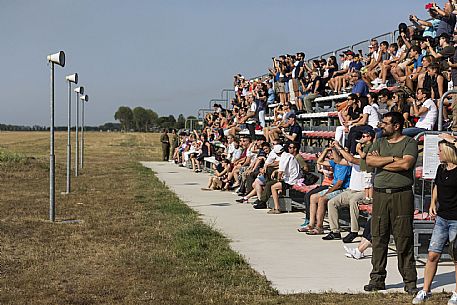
[181, 122]
[125, 116]
[110, 126]
[152, 117]
[140, 118]
[166, 122]
[191, 117]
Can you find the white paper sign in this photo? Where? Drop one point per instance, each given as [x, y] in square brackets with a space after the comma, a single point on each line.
[431, 159]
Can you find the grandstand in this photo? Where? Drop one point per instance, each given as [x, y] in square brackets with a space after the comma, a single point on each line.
[293, 81]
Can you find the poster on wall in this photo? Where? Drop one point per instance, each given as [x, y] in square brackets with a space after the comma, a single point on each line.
[431, 160]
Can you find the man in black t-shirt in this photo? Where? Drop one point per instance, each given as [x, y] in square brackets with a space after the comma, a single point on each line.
[295, 131]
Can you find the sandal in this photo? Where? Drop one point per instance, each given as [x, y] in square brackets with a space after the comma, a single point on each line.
[305, 228]
[316, 231]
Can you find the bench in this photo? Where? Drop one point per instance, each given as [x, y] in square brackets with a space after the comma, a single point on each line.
[208, 162]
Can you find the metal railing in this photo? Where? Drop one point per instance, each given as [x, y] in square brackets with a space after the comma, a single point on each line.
[214, 101]
[440, 109]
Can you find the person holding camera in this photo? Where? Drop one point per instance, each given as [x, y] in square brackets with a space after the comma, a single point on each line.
[425, 109]
[444, 208]
[446, 50]
[446, 16]
[429, 26]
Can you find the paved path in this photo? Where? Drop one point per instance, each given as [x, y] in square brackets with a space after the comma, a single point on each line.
[294, 262]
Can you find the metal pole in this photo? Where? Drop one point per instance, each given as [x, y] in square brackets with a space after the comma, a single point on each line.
[52, 195]
[440, 109]
[69, 141]
[81, 153]
[77, 131]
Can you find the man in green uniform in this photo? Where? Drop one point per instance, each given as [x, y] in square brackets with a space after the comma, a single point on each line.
[394, 157]
[165, 145]
[174, 142]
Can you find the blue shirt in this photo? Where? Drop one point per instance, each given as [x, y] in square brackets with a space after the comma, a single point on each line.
[430, 31]
[341, 172]
[418, 61]
[361, 88]
[355, 65]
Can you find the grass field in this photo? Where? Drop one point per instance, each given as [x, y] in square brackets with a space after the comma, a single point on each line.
[137, 243]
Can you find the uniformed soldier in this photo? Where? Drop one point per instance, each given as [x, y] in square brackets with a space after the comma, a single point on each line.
[174, 142]
[394, 157]
[165, 145]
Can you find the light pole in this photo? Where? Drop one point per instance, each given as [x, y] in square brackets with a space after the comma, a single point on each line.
[84, 99]
[79, 90]
[73, 78]
[57, 58]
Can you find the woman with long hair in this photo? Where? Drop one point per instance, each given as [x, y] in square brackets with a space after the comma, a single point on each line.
[444, 208]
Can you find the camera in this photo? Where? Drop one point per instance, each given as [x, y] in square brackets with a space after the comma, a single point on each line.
[429, 6]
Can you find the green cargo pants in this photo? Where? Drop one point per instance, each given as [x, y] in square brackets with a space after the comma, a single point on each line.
[393, 214]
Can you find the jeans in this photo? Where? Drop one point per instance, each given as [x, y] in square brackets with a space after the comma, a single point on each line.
[443, 231]
[413, 131]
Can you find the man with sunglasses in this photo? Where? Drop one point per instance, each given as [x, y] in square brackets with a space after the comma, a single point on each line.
[394, 157]
[288, 174]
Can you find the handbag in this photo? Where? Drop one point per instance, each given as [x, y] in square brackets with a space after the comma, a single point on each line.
[310, 178]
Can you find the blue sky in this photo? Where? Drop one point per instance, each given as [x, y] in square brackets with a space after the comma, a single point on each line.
[171, 56]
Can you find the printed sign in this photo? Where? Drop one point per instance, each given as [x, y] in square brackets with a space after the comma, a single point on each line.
[431, 160]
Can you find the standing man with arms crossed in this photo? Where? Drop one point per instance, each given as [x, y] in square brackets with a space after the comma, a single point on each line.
[165, 140]
[394, 157]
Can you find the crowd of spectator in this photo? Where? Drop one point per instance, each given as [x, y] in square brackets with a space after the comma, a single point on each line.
[395, 83]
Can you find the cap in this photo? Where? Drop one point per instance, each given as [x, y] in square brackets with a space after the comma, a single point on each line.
[278, 149]
[288, 114]
[369, 132]
[291, 115]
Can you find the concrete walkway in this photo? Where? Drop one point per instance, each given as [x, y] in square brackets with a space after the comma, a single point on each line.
[293, 262]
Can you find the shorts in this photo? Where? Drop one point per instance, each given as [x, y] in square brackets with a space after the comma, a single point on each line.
[443, 231]
[281, 87]
[367, 180]
[285, 186]
[403, 65]
[330, 195]
[261, 179]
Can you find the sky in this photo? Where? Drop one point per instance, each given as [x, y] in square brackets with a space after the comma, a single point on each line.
[170, 56]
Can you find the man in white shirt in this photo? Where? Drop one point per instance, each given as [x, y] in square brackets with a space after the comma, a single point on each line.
[425, 109]
[288, 175]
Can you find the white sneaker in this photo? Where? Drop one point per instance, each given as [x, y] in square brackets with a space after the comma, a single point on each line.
[377, 81]
[353, 253]
[453, 299]
[421, 296]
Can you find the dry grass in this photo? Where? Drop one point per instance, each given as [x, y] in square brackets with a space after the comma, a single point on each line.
[137, 243]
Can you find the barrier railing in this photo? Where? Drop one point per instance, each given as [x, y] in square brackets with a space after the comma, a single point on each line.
[216, 100]
[440, 108]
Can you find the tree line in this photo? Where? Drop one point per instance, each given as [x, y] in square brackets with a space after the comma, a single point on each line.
[141, 119]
